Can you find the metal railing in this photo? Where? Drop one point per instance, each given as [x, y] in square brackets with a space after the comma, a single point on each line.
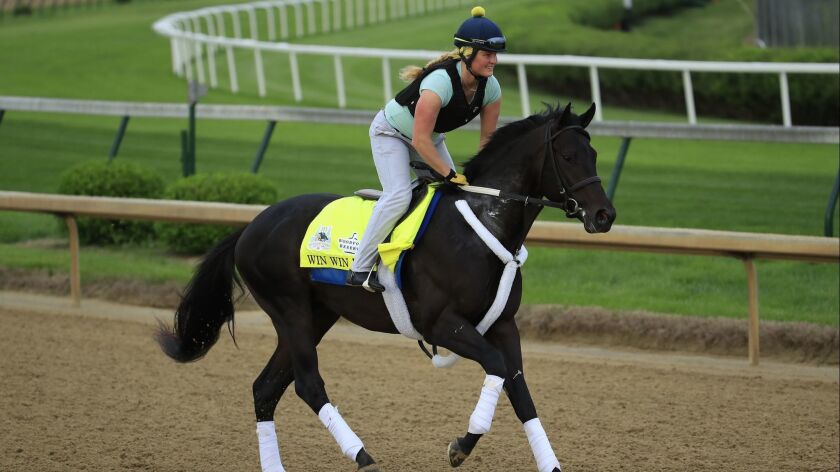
[744, 246]
[197, 36]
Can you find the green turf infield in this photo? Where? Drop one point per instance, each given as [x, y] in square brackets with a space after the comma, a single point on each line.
[111, 53]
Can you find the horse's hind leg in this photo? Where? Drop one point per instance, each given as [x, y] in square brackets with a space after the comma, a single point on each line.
[268, 388]
[302, 330]
[310, 388]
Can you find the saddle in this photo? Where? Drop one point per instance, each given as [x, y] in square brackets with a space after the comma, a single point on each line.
[333, 237]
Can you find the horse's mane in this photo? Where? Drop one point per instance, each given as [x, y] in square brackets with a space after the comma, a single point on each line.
[507, 135]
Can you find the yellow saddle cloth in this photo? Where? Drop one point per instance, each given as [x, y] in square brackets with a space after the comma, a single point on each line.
[332, 238]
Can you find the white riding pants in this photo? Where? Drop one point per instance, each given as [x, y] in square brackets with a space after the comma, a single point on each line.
[392, 153]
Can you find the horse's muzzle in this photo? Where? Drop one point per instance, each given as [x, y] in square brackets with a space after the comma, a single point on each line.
[603, 220]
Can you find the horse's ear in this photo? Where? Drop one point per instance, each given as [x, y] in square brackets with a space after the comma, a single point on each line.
[564, 118]
[586, 117]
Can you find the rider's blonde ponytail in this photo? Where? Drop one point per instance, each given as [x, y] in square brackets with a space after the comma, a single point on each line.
[409, 73]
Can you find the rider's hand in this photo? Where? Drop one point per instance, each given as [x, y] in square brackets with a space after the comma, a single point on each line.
[456, 178]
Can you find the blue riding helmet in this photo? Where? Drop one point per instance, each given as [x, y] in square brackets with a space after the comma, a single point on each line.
[480, 33]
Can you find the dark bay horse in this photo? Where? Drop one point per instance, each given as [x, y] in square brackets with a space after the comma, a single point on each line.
[446, 282]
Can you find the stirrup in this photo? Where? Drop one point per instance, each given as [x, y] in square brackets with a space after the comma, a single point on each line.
[372, 284]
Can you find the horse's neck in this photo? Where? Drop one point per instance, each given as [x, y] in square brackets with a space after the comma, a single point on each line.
[507, 220]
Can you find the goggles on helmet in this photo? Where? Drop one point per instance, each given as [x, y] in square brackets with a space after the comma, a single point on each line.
[496, 44]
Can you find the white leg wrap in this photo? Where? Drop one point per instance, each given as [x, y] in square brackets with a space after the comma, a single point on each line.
[543, 454]
[482, 416]
[347, 440]
[269, 449]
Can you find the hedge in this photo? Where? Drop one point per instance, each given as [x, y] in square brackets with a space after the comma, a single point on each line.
[220, 187]
[115, 179]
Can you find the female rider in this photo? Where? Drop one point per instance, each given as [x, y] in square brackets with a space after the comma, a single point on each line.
[446, 94]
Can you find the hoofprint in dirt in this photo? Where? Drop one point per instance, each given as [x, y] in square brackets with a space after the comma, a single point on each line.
[88, 389]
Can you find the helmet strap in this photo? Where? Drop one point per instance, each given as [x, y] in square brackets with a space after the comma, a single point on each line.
[468, 62]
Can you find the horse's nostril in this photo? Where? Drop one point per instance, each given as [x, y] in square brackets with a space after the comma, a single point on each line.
[604, 219]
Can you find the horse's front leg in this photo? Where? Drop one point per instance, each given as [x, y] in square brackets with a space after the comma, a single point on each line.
[504, 335]
[455, 333]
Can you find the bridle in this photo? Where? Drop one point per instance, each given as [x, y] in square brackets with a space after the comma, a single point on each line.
[569, 204]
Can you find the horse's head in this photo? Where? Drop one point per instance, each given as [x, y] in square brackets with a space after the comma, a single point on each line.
[568, 174]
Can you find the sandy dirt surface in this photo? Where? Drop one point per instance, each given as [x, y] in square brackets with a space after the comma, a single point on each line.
[88, 389]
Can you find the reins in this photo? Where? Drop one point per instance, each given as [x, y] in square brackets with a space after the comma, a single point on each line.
[569, 204]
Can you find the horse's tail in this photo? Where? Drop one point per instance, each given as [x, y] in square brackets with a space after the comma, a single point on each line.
[207, 303]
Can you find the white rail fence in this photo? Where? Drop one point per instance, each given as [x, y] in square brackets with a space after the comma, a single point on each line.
[198, 36]
[729, 132]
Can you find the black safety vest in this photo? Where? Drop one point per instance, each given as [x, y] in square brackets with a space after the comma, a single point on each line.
[457, 112]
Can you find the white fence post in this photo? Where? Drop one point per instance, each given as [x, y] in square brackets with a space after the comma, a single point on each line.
[269, 20]
[523, 89]
[299, 32]
[220, 23]
[339, 79]
[252, 23]
[595, 83]
[199, 62]
[237, 26]
[689, 97]
[231, 63]
[337, 15]
[211, 52]
[196, 24]
[185, 53]
[348, 13]
[360, 12]
[325, 16]
[258, 64]
[310, 17]
[176, 57]
[386, 79]
[783, 84]
[284, 21]
[293, 65]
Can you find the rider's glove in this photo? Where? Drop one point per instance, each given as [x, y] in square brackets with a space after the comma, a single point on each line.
[456, 178]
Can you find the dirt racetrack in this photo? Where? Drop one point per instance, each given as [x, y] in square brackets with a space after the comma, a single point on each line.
[88, 389]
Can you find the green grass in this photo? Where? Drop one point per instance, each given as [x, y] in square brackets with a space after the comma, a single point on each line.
[147, 264]
[691, 285]
[112, 54]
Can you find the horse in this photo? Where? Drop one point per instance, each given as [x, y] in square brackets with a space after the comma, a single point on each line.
[543, 160]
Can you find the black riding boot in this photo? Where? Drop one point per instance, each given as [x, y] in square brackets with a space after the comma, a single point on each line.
[367, 280]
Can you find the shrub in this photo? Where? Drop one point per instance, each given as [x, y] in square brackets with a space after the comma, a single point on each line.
[231, 188]
[115, 179]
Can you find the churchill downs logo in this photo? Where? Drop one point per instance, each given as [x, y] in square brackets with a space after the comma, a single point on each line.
[349, 245]
[320, 241]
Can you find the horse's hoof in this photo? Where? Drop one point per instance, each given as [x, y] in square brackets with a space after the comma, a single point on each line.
[365, 462]
[457, 456]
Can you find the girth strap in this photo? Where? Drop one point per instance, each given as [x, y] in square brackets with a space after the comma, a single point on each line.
[398, 309]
